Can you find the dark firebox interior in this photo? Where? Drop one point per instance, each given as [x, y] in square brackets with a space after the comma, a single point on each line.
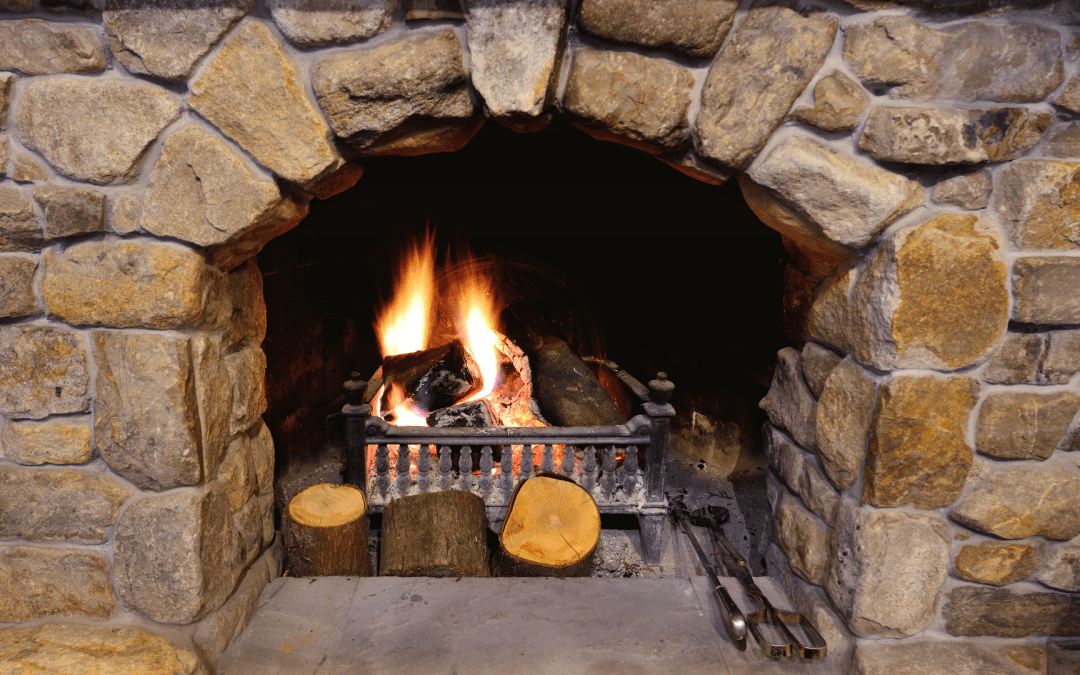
[631, 257]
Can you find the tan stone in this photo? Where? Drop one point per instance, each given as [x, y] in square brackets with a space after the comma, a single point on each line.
[756, 77]
[252, 92]
[972, 610]
[88, 649]
[844, 413]
[817, 363]
[1060, 569]
[237, 473]
[1047, 290]
[6, 80]
[804, 538]
[1036, 202]
[810, 601]
[294, 208]
[1062, 357]
[147, 376]
[38, 582]
[337, 182]
[926, 657]
[1017, 359]
[43, 371]
[789, 403]
[426, 136]
[3, 155]
[693, 29]
[35, 47]
[801, 475]
[214, 399]
[62, 505]
[248, 523]
[1015, 502]
[839, 103]
[687, 162]
[262, 454]
[17, 297]
[248, 323]
[247, 373]
[799, 290]
[933, 296]
[1024, 425]
[996, 564]
[217, 631]
[969, 191]
[917, 454]
[1069, 98]
[318, 23]
[1063, 141]
[56, 441]
[71, 211]
[28, 170]
[20, 229]
[829, 311]
[62, 119]
[128, 283]
[124, 218]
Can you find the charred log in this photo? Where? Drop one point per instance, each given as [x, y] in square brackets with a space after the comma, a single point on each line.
[566, 389]
[434, 378]
[475, 414]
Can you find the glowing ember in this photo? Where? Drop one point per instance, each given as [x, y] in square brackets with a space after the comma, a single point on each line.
[402, 326]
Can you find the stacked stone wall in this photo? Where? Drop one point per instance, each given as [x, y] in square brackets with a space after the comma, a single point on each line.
[922, 167]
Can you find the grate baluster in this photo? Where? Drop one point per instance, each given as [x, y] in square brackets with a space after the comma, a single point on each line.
[526, 462]
[465, 468]
[568, 461]
[506, 469]
[548, 462]
[485, 471]
[402, 470]
[608, 479]
[445, 479]
[630, 470]
[588, 478]
[382, 469]
[423, 469]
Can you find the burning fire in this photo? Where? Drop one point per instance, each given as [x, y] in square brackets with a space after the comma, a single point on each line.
[402, 326]
[475, 321]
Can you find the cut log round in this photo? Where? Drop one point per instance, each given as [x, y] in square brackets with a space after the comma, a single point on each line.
[437, 534]
[328, 532]
[551, 529]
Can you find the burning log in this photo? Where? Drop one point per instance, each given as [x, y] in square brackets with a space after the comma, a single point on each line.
[551, 529]
[434, 378]
[566, 389]
[437, 534]
[475, 414]
[326, 532]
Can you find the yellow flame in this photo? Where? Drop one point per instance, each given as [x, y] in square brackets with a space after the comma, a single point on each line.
[402, 325]
[403, 412]
[475, 322]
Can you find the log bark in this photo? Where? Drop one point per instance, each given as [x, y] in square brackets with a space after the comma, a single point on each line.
[327, 532]
[437, 534]
[552, 528]
[568, 392]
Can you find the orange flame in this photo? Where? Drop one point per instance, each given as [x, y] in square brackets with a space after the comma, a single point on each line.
[475, 324]
[402, 325]
[402, 411]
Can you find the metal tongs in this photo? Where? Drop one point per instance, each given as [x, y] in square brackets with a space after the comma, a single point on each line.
[734, 621]
[786, 631]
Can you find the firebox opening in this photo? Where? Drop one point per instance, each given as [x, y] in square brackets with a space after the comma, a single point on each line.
[621, 254]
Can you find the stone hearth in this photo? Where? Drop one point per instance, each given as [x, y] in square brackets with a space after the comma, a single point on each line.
[921, 159]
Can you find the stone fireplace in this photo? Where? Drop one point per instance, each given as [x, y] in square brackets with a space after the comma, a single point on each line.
[920, 160]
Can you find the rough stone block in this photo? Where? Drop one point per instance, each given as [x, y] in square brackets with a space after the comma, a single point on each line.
[990, 611]
[694, 29]
[637, 98]
[252, 92]
[374, 95]
[71, 211]
[176, 555]
[42, 371]
[17, 297]
[1062, 357]
[789, 403]
[804, 539]
[928, 657]
[237, 472]
[817, 363]
[124, 218]
[20, 229]
[844, 414]
[248, 523]
[62, 440]
[247, 372]
[1069, 98]
[248, 323]
[887, 569]
[317, 23]
[934, 295]
[141, 377]
[1014, 502]
[1024, 425]
[829, 311]
[214, 399]
[167, 39]
[262, 454]
[970, 191]
[221, 627]
[1034, 202]
[1017, 359]
[62, 119]
[755, 79]
[1063, 141]
[810, 601]
[16, 5]
[1047, 290]
[126, 283]
[839, 104]
[239, 249]
[36, 47]
[38, 582]
[6, 79]
[26, 169]
[849, 200]
[514, 51]
[995, 563]
[1060, 569]
[71, 505]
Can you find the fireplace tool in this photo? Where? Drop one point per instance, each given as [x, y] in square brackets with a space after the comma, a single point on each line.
[783, 624]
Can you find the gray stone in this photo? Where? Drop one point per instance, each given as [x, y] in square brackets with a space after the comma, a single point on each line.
[1024, 425]
[6, 79]
[839, 104]
[214, 399]
[16, 5]
[1015, 502]
[1034, 202]
[844, 413]
[936, 296]
[1063, 141]
[418, 10]
[887, 569]
[952, 135]
[262, 454]
[3, 155]
[849, 200]
[829, 311]
[248, 324]
[62, 119]
[694, 29]
[1062, 357]
[373, 95]
[166, 38]
[218, 630]
[62, 440]
[755, 79]
[317, 23]
[20, 229]
[28, 170]
[1069, 98]
[34, 47]
[69, 504]
[127, 283]
[514, 49]
[969, 191]
[147, 376]
[926, 657]
[62, 6]
[817, 363]
[804, 539]
[634, 97]
[991, 611]
[1047, 290]
[71, 211]
[1060, 569]
[38, 582]
[237, 472]
[789, 403]
[176, 555]
[201, 191]
[247, 373]
[1016, 361]
[266, 516]
[252, 92]
[42, 371]
[248, 523]
[972, 61]
[17, 297]
[810, 601]
[54, 647]
[124, 218]
[294, 208]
